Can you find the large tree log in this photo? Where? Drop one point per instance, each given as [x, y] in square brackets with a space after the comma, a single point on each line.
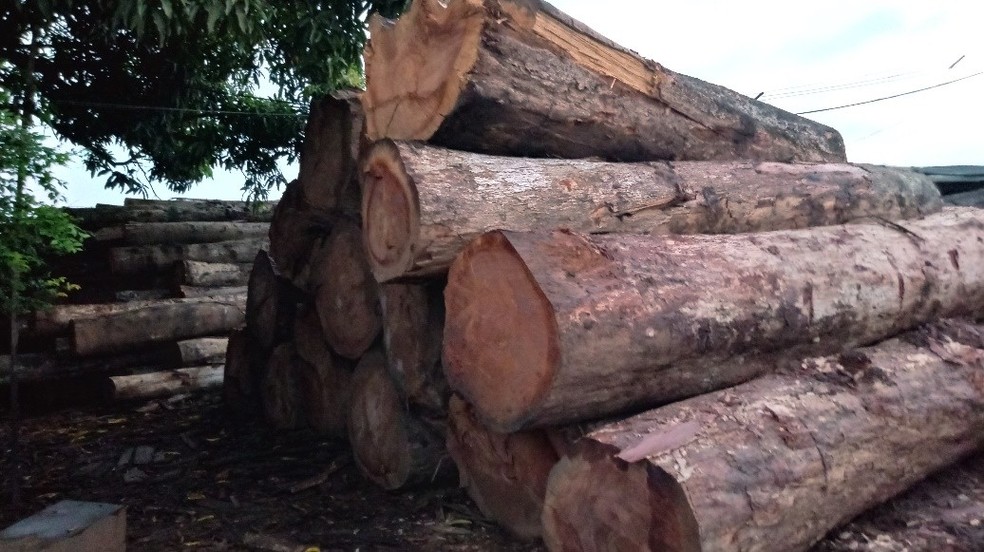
[966, 199]
[171, 233]
[39, 367]
[574, 327]
[123, 331]
[775, 463]
[194, 291]
[413, 329]
[196, 273]
[423, 204]
[518, 77]
[326, 379]
[332, 142]
[346, 294]
[143, 258]
[392, 448]
[241, 379]
[182, 210]
[505, 474]
[128, 295]
[270, 303]
[165, 384]
[201, 351]
[280, 388]
[294, 230]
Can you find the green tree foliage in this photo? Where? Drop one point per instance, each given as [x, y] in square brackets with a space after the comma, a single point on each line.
[174, 83]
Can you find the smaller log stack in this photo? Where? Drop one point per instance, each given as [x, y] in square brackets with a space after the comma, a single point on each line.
[501, 300]
[163, 283]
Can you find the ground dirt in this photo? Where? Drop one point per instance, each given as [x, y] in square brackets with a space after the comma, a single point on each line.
[190, 481]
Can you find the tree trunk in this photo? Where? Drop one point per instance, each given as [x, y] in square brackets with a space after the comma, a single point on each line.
[392, 448]
[144, 258]
[33, 368]
[293, 233]
[174, 233]
[346, 295]
[576, 327]
[116, 333]
[195, 273]
[181, 210]
[505, 474]
[333, 139]
[167, 383]
[201, 351]
[269, 303]
[424, 204]
[518, 77]
[280, 388]
[241, 380]
[413, 327]
[193, 291]
[776, 463]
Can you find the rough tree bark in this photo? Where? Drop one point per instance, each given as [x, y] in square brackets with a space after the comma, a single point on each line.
[518, 77]
[269, 303]
[184, 210]
[333, 138]
[294, 230]
[413, 328]
[423, 204]
[346, 295]
[775, 463]
[195, 273]
[505, 474]
[155, 233]
[558, 327]
[201, 351]
[392, 448]
[143, 258]
[166, 383]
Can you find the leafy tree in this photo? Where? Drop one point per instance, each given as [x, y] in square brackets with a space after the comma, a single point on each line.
[174, 83]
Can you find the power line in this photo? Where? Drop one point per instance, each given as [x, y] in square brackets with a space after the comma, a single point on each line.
[940, 85]
[133, 107]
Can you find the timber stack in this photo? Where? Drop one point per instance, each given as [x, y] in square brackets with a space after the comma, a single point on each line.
[635, 309]
[162, 285]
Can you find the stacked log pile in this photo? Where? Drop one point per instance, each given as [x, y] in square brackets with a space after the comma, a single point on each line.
[162, 284]
[674, 315]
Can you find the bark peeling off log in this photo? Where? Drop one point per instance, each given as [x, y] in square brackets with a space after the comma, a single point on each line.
[546, 329]
[778, 462]
[423, 204]
[518, 77]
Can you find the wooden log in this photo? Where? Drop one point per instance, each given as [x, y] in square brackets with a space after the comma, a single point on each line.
[577, 327]
[40, 367]
[166, 383]
[171, 233]
[332, 141]
[413, 329]
[269, 303]
[195, 291]
[119, 332]
[241, 379]
[423, 204]
[966, 199]
[143, 295]
[505, 474]
[518, 77]
[392, 448]
[182, 210]
[775, 463]
[201, 351]
[346, 295]
[294, 230]
[280, 388]
[143, 258]
[195, 273]
[326, 379]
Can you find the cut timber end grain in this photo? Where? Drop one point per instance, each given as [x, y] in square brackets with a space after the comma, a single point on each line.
[552, 328]
[332, 140]
[413, 329]
[422, 204]
[776, 463]
[518, 77]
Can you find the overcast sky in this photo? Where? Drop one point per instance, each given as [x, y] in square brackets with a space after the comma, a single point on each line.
[804, 56]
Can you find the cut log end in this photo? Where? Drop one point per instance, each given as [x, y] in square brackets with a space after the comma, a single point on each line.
[435, 38]
[390, 212]
[493, 300]
[638, 508]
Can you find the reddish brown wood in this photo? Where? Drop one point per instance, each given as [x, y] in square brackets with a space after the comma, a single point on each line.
[776, 463]
[546, 329]
[413, 328]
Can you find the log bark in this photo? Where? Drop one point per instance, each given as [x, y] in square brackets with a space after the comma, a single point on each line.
[175, 233]
[269, 303]
[280, 388]
[182, 210]
[195, 273]
[775, 463]
[346, 295]
[166, 383]
[423, 204]
[576, 327]
[505, 474]
[241, 379]
[326, 379]
[195, 291]
[392, 448]
[40, 367]
[142, 295]
[334, 135]
[119, 332]
[413, 329]
[294, 230]
[144, 258]
[520, 78]
[201, 351]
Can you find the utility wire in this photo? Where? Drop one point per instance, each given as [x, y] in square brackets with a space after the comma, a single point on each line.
[940, 85]
[178, 109]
